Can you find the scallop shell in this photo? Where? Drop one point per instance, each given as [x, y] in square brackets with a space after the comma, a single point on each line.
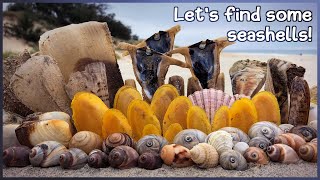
[151, 143]
[16, 156]
[123, 157]
[256, 155]
[232, 160]
[220, 140]
[237, 134]
[9, 137]
[290, 139]
[286, 127]
[282, 153]
[116, 139]
[309, 151]
[260, 142]
[204, 155]
[98, 159]
[176, 156]
[74, 158]
[265, 129]
[241, 147]
[86, 141]
[306, 132]
[150, 160]
[189, 138]
[46, 154]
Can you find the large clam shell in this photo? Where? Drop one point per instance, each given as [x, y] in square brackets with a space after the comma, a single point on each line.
[204, 155]
[74, 158]
[237, 134]
[151, 143]
[86, 141]
[189, 138]
[220, 140]
[265, 129]
[233, 160]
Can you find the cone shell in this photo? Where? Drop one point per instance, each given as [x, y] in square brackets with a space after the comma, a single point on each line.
[286, 127]
[176, 156]
[282, 153]
[220, 140]
[150, 160]
[241, 147]
[305, 132]
[172, 131]
[256, 155]
[123, 157]
[98, 159]
[151, 143]
[16, 156]
[114, 121]
[74, 158]
[204, 155]
[46, 154]
[123, 98]
[260, 142]
[265, 129]
[31, 133]
[232, 160]
[197, 119]
[116, 139]
[86, 141]
[309, 151]
[237, 134]
[290, 139]
[189, 138]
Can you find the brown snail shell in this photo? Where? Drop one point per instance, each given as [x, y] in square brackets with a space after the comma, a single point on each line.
[116, 139]
[98, 159]
[306, 132]
[260, 142]
[176, 155]
[282, 153]
[86, 141]
[309, 151]
[123, 157]
[16, 156]
[232, 160]
[290, 139]
[74, 158]
[150, 160]
[151, 143]
[256, 155]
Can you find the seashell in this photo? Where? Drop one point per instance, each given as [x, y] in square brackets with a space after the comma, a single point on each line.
[290, 139]
[260, 142]
[299, 102]
[286, 127]
[222, 118]
[46, 154]
[172, 131]
[241, 147]
[211, 100]
[151, 143]
[305, 132]
[309, 151]
[265, 129]
[9, 137]
[31, 133]
[16, 156]
[189, 138]
[220, 140]
[178, 83]
[204, 155]
[116, 139]
[256, 155]
[87, 112]
[123, 157]
[130, 82]
[150, 160]
[313, 124]
[237, 134]
[98, 159]
[313, 113]
[248, 76]
[125, 95]
[94, 44]
[282, 153]
[267, 107]
[74, 158]
[197, 119]
[232, 160]
[86, 141]
[150, 129]
[176, 155]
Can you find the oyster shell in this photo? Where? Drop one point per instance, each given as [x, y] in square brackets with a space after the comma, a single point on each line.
[189, 138]
[204, 155]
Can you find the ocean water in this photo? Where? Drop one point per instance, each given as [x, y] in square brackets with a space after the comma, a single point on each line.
[293, 52]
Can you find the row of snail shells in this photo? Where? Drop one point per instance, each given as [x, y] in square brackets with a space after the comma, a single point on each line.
[151, 143]
[204, 155]
[282, 153]
[189, 138]
[220, 140]
[176, 155]
[260, 142]
[256, 155]
[290, 139]
[86, 141]
[309, 151]
[237, 134]
[232, 160]
[150, 160]
[73, 158]
[98, 159]
[46, 154]
[305, 132]
[16, 156]
[123, 157]
[115, 140]
[264, 129]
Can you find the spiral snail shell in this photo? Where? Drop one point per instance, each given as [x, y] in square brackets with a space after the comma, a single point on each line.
[86, 141]
[309, 151]
[176, 155]
[241, 147]
[98, 159]
[123, 157]
[286, 127]
[150, 160]
[220, 140]
[237, 134]
[46, 154]
[74, 158]
[189, 138]
[282, 153]
[16, 156]
[151, 143]
[204, 155]
[260, 142]
[265, 129]
[256, 155]
[291, 140]
[116, 139]
[305, 132]
[232, 160]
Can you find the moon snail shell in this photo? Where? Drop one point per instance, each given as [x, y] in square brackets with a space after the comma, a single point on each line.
[151, 143]
[16, 156]
[116, 139]
[232, 160]
[98, 159]
[74, 158]
[150, 160]
[189, 138]
[123, 157]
